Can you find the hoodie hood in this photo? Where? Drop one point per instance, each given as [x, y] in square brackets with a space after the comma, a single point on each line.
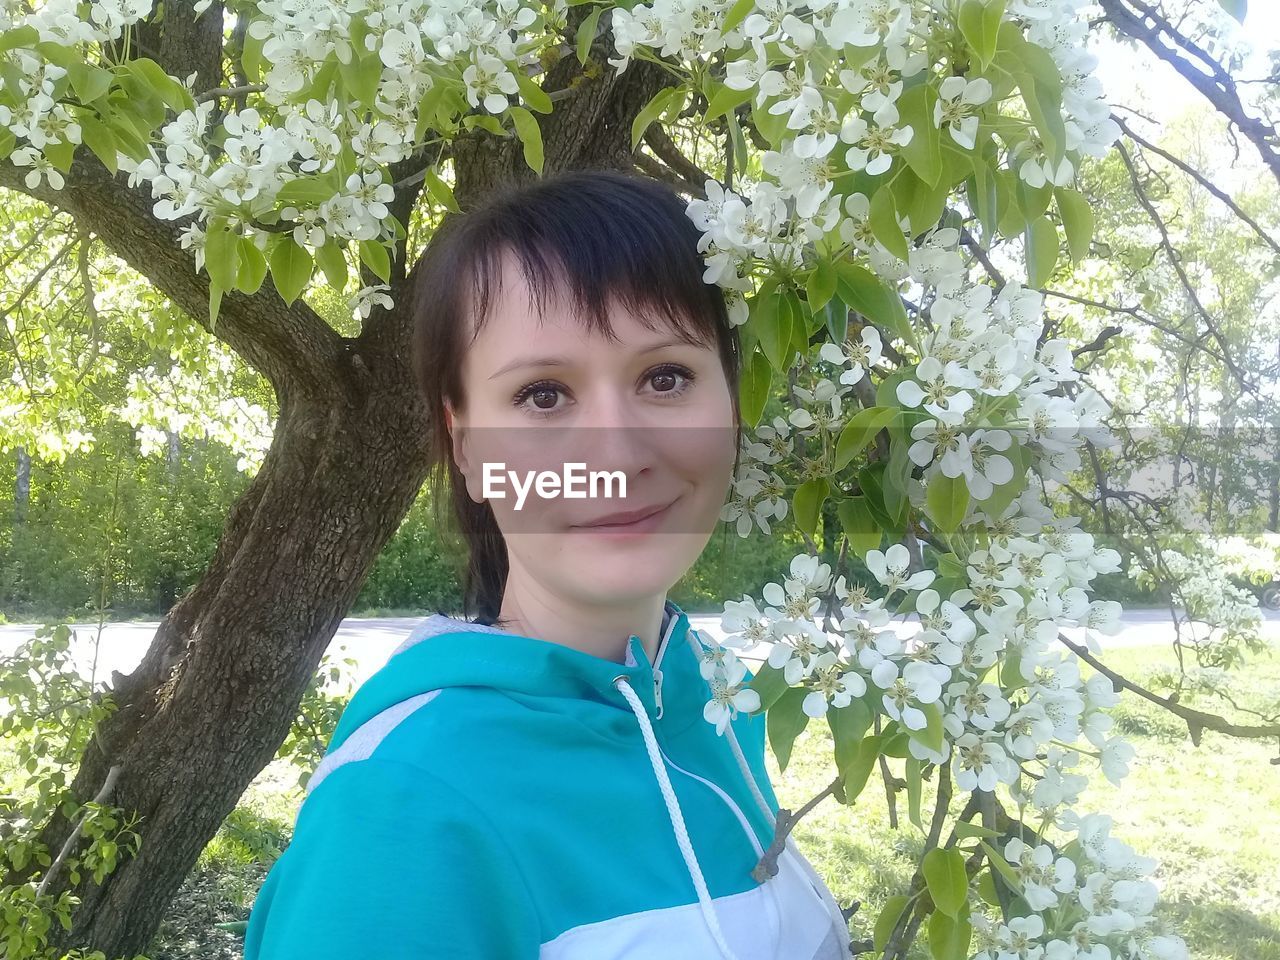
[447, 652]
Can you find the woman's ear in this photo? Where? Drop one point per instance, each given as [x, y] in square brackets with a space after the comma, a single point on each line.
[460, 443]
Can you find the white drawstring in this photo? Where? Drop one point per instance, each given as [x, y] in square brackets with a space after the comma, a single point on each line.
[677, 818]
[829, 901]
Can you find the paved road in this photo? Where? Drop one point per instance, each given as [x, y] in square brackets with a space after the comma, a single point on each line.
[370, 641]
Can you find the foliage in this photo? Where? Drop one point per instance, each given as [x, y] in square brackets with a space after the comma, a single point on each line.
[50, 714]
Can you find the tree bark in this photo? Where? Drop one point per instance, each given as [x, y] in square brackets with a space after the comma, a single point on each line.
[219, 687]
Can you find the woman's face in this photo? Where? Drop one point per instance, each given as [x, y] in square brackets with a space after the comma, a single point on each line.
[652, 410]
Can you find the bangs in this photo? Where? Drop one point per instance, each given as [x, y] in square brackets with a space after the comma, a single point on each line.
[597, 246]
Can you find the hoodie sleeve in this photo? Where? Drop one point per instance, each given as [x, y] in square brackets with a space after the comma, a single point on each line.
[386, 861]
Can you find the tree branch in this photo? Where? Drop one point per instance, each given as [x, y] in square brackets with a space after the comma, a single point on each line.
[1217, 86]
[1197, 720]
[1201, 179]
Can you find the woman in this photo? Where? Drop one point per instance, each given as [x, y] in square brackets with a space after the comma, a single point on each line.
[544, 781]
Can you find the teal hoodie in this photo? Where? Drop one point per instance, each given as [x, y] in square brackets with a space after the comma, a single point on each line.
[490, 796]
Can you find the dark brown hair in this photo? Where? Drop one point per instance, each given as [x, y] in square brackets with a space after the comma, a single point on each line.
[612, 235]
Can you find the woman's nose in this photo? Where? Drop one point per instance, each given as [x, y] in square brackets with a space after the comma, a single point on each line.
[615, 433]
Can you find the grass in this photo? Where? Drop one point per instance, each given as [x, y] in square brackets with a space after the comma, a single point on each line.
[1210, 815]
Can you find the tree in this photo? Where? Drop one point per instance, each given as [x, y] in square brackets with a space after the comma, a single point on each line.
[234, 153]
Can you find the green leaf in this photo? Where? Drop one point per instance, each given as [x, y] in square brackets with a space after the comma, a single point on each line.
[888, 919]
[848, 725]
[753, 387]
[859, 763]
[532, 93]
[60, 154]
[737, 13]
[291, 267]
[175, 96]
[88, 81]
[486, 121]
[770, 683]
[1040, 84]
[786, 721]
[821, 285]
[361, 76]
[871, 480]
[948, 499]
[981, 192]
[56, 53]
[931, 735]
[895, 475]
[771, 318]
[863, 291]
[987, 888]
[966, 830]
[1011, 671]
[440, 191]
[215, 303]
[99, 138]
[772, 126]
[1077, 221]
[836, 316]
[1041, 251]
[859, 525]
[306, 191]
[587, 34]
[651, 112]
[945, 877]
[1002, 866]
[860, 431]
[807, 503]
[923, 152]
[949, 938]
[253, 267]
[374, 255]
[726, 98]
[980, 25]
[251, 60]
[222, 253]
[530, 135]
[333, 261]
[25, 36]
[883, 221]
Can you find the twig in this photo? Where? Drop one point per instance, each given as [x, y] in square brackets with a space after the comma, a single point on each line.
[107, 786]
[768, 864]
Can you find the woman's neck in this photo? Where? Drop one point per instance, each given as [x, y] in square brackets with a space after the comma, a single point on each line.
[599, 630]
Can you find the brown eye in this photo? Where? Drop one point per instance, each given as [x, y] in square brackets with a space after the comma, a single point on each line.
[542, 399]
[669, 380]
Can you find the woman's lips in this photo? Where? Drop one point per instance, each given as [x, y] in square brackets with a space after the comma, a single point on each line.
[644, 520]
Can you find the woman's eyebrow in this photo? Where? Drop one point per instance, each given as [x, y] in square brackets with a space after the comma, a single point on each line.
[528, 362]
[560, 361]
